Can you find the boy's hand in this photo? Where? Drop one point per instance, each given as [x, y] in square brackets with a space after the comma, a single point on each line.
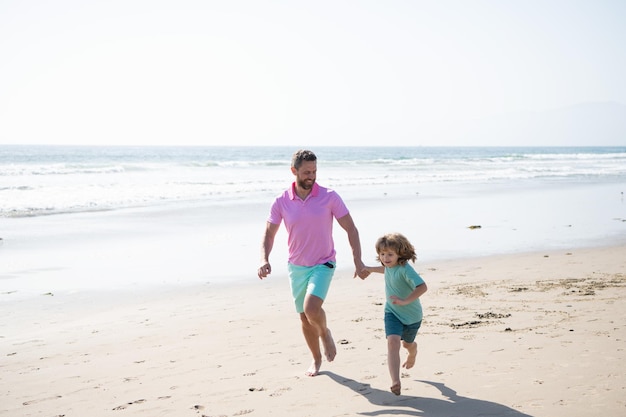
[397, 300]
[362, 273]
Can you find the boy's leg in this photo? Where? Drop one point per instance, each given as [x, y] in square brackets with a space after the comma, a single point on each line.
[410, 360]
[409, 333]
[393, 361]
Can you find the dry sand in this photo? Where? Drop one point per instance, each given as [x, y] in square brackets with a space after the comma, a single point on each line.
[539, 334]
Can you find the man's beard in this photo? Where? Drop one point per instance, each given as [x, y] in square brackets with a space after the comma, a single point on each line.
[304, 185]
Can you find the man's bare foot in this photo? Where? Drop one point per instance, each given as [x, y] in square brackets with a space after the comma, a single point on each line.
[329, 346]
[395, 388]
[314, 369]
[410, 360]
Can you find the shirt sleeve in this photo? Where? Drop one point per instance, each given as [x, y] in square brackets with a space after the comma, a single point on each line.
[339, 207]
[412, 277]
[275, 216]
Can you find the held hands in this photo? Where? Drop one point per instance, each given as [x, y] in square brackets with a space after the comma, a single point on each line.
[264, 270]
[365, 271]
[361, 271]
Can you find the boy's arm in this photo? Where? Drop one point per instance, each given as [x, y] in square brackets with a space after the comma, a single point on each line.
[380, 269]
[415, 294]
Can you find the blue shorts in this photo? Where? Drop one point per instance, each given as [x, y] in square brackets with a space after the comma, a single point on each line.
[313, 280]
[393, 326]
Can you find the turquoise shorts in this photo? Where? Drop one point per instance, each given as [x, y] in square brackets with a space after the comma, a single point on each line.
[309, 280]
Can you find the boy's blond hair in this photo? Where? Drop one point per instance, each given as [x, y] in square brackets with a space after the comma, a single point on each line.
[399, 244]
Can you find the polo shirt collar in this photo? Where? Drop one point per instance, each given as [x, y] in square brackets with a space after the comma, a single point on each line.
[292, 191]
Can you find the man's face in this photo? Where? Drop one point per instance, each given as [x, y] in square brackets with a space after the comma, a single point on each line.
[306, 174]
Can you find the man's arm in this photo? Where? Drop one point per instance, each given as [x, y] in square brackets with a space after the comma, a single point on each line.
[266, 248]
[348, 225]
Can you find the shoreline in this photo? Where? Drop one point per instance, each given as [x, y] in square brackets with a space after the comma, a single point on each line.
[172, 246]
[544, 325]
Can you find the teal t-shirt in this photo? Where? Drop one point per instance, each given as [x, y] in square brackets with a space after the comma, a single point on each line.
[400, 281]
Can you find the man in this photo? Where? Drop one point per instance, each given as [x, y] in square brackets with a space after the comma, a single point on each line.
[308, 211]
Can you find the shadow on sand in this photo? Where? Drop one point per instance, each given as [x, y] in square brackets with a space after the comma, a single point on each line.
[453, 405]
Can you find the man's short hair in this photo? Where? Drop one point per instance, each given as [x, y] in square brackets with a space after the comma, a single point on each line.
[300, 156]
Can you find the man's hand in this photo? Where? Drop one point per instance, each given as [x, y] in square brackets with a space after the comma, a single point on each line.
[264, 270]
[362, 272]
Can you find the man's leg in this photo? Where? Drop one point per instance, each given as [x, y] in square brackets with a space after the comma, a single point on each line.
[312, 338]
[314, 328]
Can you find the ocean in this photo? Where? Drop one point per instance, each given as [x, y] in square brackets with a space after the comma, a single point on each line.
[43, 180]
[76, 218]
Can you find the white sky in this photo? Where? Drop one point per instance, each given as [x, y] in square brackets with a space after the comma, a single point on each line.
[291, 72]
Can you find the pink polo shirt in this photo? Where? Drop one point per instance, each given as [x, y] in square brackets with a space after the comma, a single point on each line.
[309, 223]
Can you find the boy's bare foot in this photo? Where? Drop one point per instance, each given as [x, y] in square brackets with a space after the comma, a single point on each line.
[329, 346]
[314, 369]
[410, 360]
[395, 388]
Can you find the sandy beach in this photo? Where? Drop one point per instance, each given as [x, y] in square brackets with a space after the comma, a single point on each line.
[535, 334]
[158, 311]
[145, 145]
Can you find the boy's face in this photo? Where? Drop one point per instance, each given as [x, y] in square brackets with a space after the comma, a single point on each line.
[388, 257]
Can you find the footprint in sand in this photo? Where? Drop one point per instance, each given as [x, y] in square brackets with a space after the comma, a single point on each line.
[242, 412]
[279, 392]
[40, 400]
[123, 407]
